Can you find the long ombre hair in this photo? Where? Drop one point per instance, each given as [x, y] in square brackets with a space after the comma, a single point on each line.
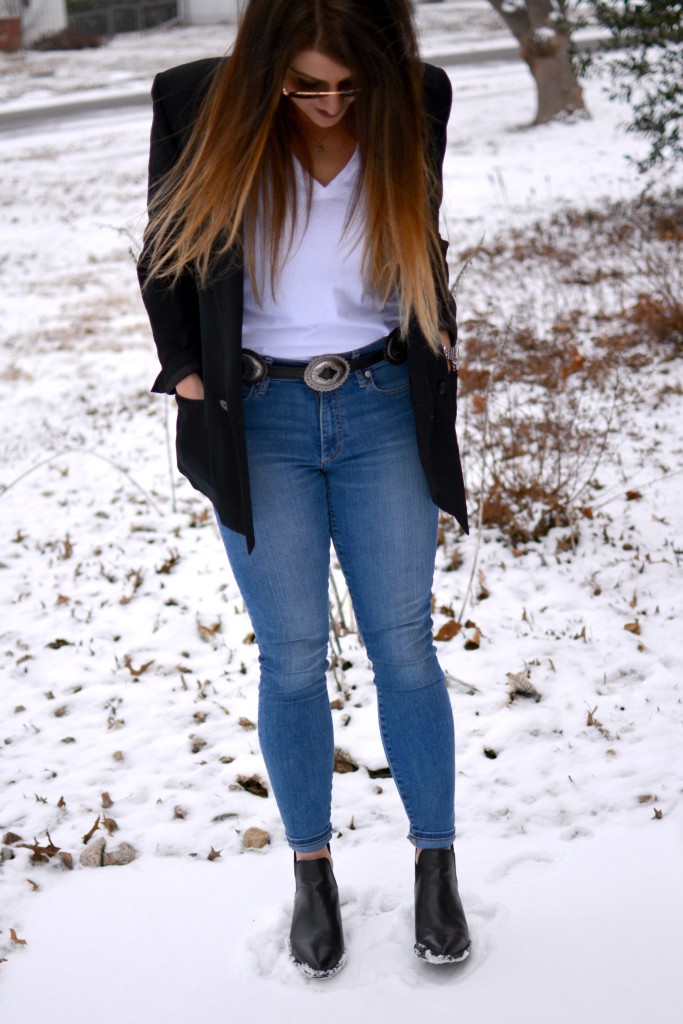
[240, 153]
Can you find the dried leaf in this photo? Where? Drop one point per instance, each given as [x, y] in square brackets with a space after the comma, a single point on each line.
[252, 784]
[246, 723]
[107, 801]
[110, 825]
[343, 762]
[136, 672]
[11, 837]
[633, 495]
[633, 627]
[448, 630]
[379, 773]
[590, 717]
[15, 940]
[567, 542]
[56, 644]
[207, 633]
[170, 563]
[91, 833]
[34, 885]
[61, 803]
[66, 859]
[473, 642]
[214, 854]
[521, 685]
[40, 854]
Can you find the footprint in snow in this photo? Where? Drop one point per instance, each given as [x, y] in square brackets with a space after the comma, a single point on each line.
[532, 859]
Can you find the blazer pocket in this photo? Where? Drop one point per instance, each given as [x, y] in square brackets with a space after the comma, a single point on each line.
[192, 443]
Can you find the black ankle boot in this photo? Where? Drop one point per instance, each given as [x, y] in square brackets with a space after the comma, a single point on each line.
[441, 934]
[316, 939]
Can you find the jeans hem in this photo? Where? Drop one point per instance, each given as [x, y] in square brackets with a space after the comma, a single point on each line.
[425, 842]
[311, 845]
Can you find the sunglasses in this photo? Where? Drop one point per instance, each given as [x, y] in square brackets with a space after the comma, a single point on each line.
[346, 94]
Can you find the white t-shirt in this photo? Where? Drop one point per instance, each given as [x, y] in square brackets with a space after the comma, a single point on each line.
[320, 305]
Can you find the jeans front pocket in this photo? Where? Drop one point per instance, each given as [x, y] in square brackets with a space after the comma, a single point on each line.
[388, 378]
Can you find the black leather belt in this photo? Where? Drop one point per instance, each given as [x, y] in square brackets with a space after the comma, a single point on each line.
[323, 373]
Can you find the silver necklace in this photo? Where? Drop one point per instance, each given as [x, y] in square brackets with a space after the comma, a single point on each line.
[319, 144]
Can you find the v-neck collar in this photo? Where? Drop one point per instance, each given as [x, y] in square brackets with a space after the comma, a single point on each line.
[339, 179]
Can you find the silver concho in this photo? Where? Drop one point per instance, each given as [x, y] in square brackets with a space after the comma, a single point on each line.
[395, 349]
[326, 373]
[254, 367]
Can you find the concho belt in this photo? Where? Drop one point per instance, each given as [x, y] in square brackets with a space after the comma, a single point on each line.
[326, 372]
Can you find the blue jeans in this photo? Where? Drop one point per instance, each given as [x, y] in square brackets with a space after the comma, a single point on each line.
[344, 466]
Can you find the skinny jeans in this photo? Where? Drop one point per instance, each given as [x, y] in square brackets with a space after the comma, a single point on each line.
[343, 467]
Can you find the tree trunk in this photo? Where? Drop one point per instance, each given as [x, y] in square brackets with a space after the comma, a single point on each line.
[538, 27]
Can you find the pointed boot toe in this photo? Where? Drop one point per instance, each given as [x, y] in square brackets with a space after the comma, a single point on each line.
[441, 933]
[316, 938]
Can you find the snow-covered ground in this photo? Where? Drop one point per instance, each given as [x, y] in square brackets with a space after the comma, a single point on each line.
[127, 668]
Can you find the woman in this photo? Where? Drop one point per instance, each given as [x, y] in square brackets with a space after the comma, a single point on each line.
[297, 290]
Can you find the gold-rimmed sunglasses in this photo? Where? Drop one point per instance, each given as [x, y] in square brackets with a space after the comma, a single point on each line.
[346, 94]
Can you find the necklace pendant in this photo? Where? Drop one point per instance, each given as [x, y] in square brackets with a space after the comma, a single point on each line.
[318, 148]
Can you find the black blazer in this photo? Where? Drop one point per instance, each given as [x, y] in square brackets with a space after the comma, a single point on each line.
[200, 330]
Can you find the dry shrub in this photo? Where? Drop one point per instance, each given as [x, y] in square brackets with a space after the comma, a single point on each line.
[537, 443]
[658, 319]
[543, 380]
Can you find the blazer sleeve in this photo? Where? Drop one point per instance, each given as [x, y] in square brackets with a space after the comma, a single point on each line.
[173, 310]
[438, 100]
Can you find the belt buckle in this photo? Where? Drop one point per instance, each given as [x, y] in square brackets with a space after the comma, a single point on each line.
[395, 349]
[254, 367]
[326, 373]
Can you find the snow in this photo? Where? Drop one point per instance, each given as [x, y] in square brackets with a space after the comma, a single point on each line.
[570, 878]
